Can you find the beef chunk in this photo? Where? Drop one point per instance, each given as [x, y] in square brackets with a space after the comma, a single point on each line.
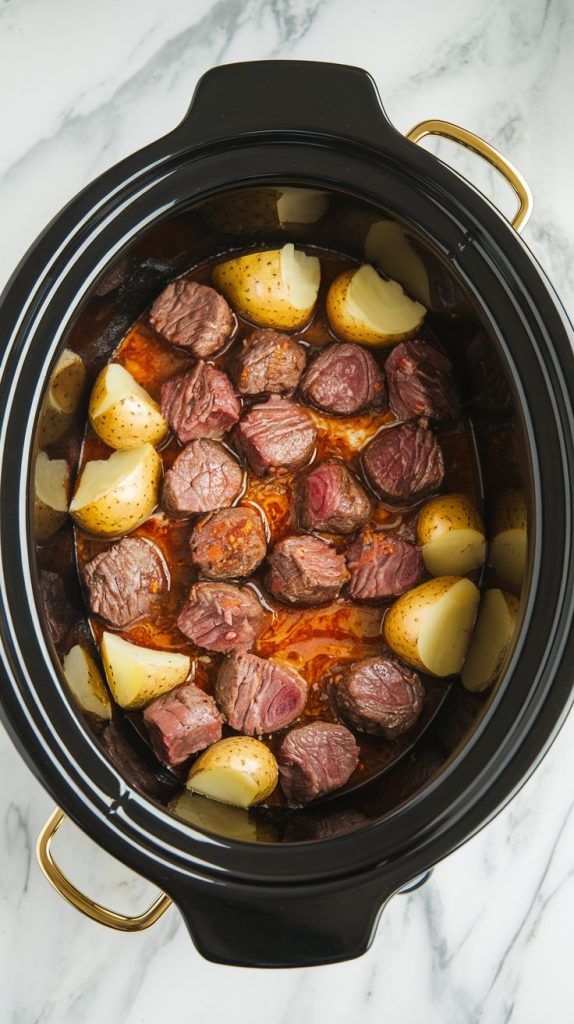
[123, 582]
[331, 499]
[201, 403]
[204, 477]
[275, 435]
[228, 543]
[60, 614]
[193, 316]
[181, 722]
[420, 383]
[404, 463]
[305, 570]
[269, 363]
[315, 759]
[257, 695]
[382, 565]
[344, 379]
[222, 617]
[377, 695]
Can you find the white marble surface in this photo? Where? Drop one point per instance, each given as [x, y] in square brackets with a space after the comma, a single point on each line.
[489, 937]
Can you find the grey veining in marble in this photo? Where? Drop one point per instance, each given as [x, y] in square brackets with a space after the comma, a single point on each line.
[488, 938]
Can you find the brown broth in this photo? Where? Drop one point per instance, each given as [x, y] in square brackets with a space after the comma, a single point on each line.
[311, 640]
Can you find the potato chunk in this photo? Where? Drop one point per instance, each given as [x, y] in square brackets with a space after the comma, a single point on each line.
[451, 535]
[362, 306]
[275, 288]
[115, 495]
[239, 770]
[491, 640]
[138, 674]
[430, 626]
[51, 486]
[85, 681]
[122, 413]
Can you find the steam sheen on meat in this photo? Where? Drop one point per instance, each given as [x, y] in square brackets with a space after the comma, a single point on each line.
[228, 543]
[331, 499]
[420, 383]
[182, 722]
[404, 463]
[222, 617]
[344, 379]
[258, 695]
[305, 570]
[382, 565]
[269, 363]
[201, 403]
[122, 583]
[204, 477]
[377, 695]
[315, 759]
[193, 316]
[275, 435]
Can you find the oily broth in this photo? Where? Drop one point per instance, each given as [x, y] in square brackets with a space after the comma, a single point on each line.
[310, 640]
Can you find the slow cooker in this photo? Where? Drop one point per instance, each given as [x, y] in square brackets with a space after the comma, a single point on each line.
[257, 133]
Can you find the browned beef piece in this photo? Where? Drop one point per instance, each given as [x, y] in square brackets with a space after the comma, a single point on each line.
[377, 695]
[60, 614]
[315, 759]
[123, 582]
[404, 463]
[222, 617]
[420, 383]
[277, 434]
[331, 499]
[382, 565]
[201, 403]
[301, 826]
[257, 695]
[181, 722]
[345, 379]
[194, 316]
[204, 477]
[305, 570]
[269, 363]
[228, 543]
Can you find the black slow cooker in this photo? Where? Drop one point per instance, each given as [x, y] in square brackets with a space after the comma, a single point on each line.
[256, 131]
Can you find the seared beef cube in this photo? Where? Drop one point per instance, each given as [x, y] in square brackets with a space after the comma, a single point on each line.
[222, 617]
[257, 695]
[382, 565]
[344, 379]
[181, 722]
[315, 759]
[331, 499]
[377, 695]
[194, 316]
[201, 403]
[228, 543]
[305, 570]
[404, 463]
[275, 435]
[123, 582]
[269, 363]
[420, 383]
[204, 477]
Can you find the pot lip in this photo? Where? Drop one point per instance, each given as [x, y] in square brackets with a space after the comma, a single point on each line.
[119, 832]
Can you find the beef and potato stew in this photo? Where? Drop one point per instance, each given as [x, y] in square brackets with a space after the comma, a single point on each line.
[279, 530]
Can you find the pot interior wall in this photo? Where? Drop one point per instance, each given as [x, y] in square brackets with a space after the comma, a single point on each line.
[263, 216]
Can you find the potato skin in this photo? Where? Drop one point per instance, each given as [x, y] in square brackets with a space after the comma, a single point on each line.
[133, 419]
[402, 624]
[510, 511]
[253, 285]
[444, 513]
[351, 329]
[86, 684]
[244, 755]
[129, 504]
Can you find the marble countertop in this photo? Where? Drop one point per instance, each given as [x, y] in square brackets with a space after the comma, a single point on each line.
[488, 938]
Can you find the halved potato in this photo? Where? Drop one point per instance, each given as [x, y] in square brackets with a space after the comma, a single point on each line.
[275, 288]
[239, 770]
[387, 245]
[509, 545]
[122, 413]
[115, 495]
[301, 205]
[63, 397]
[138, 674]
[430, 626]
[491, 640]
[85, 681]
[51, 489]
[222, 819]
[364, 307]
[451, 535]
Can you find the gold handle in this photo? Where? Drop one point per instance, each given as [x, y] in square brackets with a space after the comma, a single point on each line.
[488, 153]
[89, 907]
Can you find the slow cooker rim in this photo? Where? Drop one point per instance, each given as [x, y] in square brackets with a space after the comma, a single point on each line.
[339, 841]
